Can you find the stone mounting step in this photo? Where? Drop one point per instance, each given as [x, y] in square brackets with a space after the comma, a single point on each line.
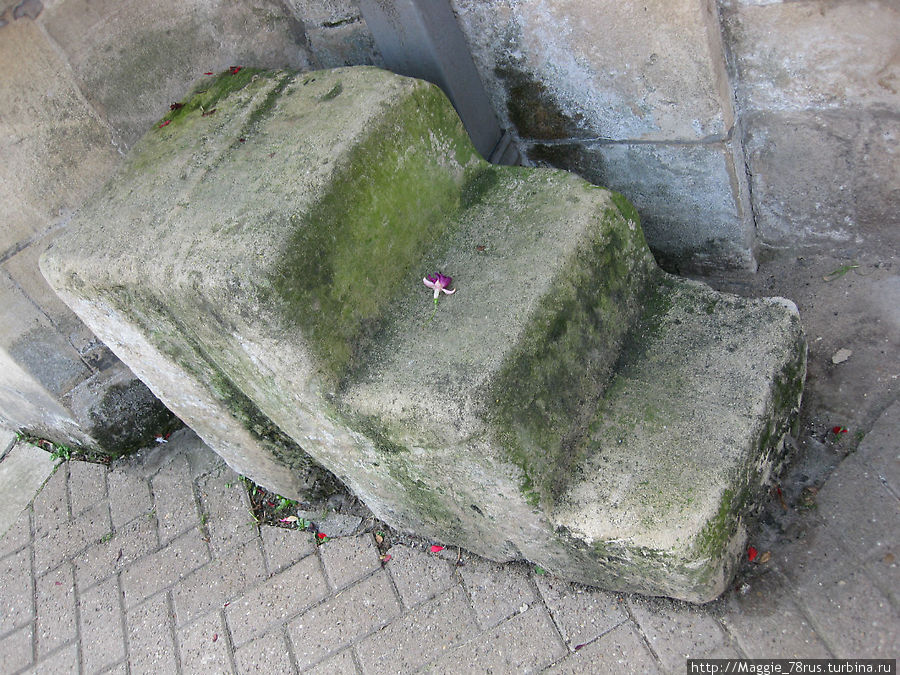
[261, 270]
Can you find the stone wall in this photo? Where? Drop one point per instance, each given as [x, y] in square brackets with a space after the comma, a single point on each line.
[737, 127]
[82, 80]
[734, 128]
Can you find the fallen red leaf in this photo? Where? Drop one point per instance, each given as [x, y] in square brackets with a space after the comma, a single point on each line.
[164, 124]
[577, 647]
[215, 636]
[385, 558]
[209, 73]
[839, 430]
[207, 113]
[235, 69]
[752, 553]
[176, 106]
[437, 549]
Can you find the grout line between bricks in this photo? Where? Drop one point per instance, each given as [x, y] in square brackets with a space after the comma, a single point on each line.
[643, 635]
[123, 621]
[170, 624]
[543, 602]
[289, 647]
[34, 591]
[393, 584]
[354, 656]
[229, 640]
[76, 592]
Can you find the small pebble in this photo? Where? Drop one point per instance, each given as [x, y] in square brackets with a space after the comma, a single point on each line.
[841, 355]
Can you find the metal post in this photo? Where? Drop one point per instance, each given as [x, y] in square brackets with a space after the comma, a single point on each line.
[421, 38]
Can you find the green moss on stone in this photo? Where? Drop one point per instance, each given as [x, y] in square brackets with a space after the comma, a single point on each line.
[352, 254]
[207, 94]
[547, 390]
[177, 340]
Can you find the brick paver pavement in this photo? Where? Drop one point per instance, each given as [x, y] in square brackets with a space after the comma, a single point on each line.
[155, 565]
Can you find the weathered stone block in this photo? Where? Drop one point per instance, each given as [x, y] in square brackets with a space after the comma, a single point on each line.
[587, 69]
[50, 389]
[693, 209]
[570, 404]
[826, 177]
[133, 59]
[794, 56]
[55, 150]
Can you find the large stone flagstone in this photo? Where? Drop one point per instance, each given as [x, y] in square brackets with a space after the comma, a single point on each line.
[258, 262]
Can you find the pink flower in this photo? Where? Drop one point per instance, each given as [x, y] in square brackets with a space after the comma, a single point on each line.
[439, 283]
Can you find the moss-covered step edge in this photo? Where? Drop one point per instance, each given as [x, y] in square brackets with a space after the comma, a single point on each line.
[686, 456]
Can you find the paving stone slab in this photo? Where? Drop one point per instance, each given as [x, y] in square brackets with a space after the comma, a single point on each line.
[129, 496]
[854, 617]
[497, 592]
[151, 645]
[173, 499]
[72, 537]
[22, 473]
[18, 535]
[15, 649]
[348, 559]
[204, 647]
[676, 631]
[418, 637]
[881, 447]
[283, 547]
[765, 620]
[226, 508]
[581, 613]
[55, 604]
[87, 485]
[280, 597]
[51, 504]
[866, 526]
[342, 619]
[523, 644]
[417, 575]
[621, 650]
[339, 664]
[162, 568]
[63, 661]
[214, 584]
[114, 553]
[7, 441]
[16, 587]
[539, 413]
[101, 632]
[265, 654]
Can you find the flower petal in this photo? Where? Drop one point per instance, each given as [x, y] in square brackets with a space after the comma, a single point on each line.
[437, 549]
[428, 281]
[449, 292]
